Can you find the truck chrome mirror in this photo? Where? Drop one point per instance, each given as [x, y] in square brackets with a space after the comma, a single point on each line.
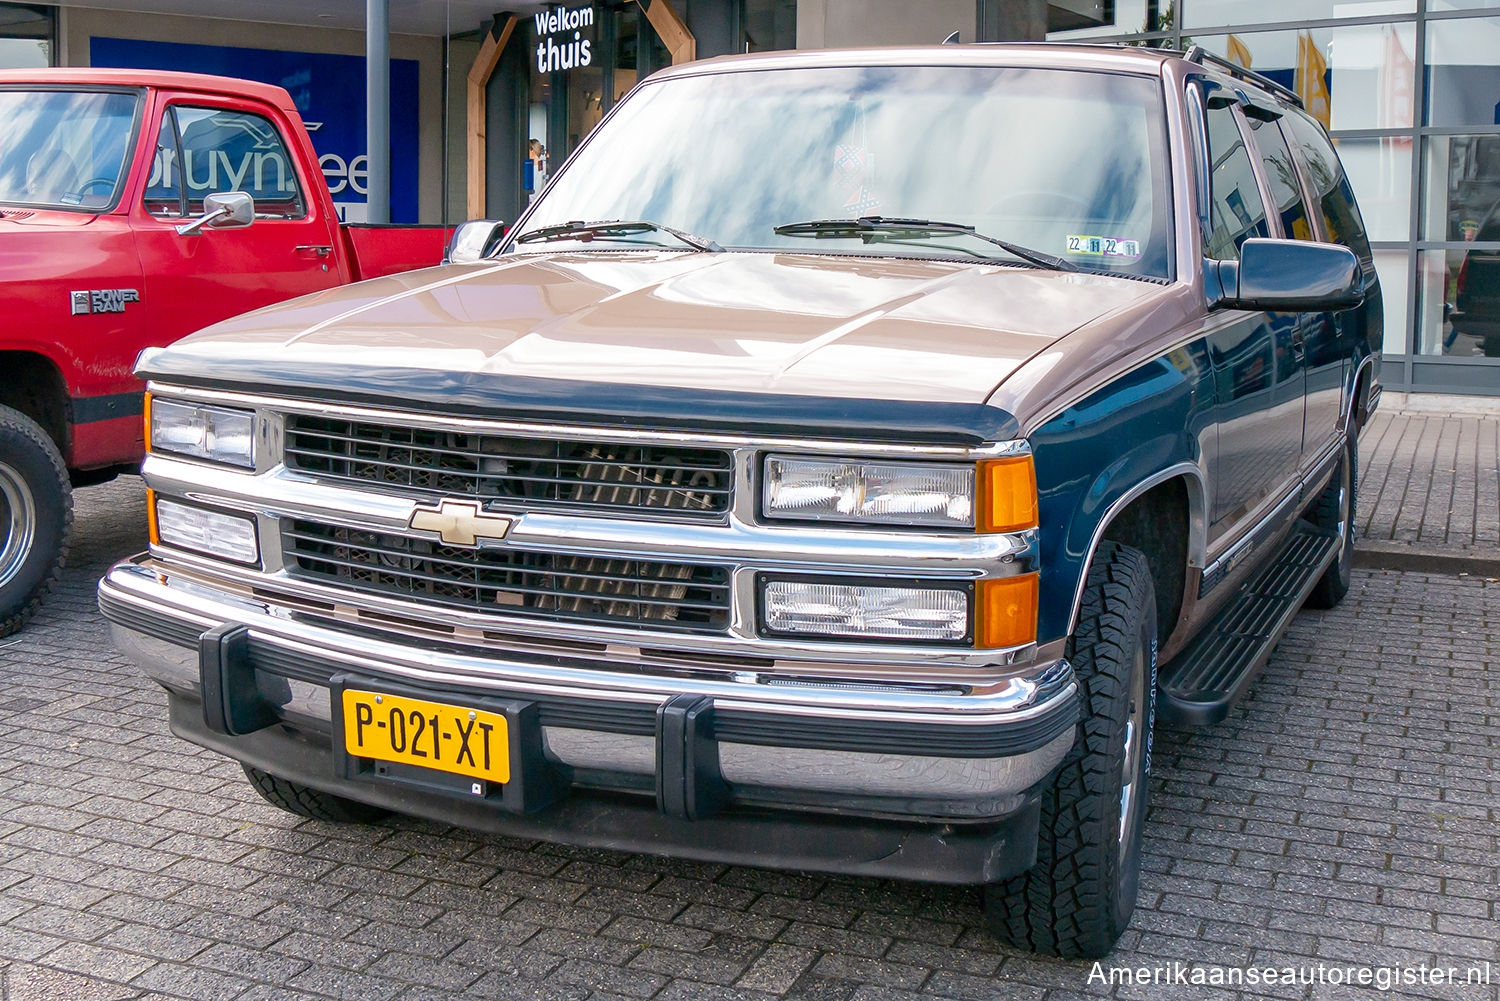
[473, 240]
[227, 210]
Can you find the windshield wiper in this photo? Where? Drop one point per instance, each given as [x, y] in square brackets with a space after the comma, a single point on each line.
[875, 227]
[614, 227]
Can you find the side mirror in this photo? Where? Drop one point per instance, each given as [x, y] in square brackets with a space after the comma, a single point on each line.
[473, 240]
[1288, 276]
[227, 210]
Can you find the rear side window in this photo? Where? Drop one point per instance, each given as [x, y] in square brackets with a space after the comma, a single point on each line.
[1286, 190]
[205, 151]
[1238, 213]
[1331, 190]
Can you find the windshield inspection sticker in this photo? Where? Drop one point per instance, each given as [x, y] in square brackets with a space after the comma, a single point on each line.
[1104, 246]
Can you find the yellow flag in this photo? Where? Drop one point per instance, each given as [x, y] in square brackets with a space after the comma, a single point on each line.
[1312, 79]
[1238, 52]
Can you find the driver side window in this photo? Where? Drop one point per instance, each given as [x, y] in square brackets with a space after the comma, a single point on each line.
[203, 151]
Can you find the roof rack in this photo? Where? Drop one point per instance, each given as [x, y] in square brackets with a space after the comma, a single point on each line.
[1198, 54]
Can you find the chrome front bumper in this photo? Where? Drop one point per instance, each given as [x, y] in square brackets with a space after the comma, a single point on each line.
[929, 754]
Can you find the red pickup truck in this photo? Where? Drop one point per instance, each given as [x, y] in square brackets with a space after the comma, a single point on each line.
[136, 207]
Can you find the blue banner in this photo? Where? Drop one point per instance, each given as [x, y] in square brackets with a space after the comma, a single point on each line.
[329, 91]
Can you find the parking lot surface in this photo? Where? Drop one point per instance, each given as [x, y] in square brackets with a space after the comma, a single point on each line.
[1345, 815]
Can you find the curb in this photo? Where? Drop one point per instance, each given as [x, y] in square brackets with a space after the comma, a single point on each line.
[1374, 556]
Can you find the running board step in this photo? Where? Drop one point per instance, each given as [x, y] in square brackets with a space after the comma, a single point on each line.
[1208, 677]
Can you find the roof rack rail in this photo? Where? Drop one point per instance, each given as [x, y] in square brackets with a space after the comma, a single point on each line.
[1198, 54]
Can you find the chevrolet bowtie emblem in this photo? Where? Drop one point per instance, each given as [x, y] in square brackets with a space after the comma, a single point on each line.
[461, 524]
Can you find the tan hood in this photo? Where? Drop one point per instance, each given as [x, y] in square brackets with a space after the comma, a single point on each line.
[789, 324]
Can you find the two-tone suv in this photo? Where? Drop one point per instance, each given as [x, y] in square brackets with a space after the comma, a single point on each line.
[842, 465]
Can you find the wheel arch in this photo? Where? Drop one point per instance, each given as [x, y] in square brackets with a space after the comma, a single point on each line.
[1357, 403]
[36, 388]
[1175, 499]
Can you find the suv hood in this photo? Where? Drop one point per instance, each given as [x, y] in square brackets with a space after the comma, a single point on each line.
[787, 324]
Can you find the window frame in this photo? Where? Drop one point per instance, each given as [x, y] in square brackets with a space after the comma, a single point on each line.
[1204, 84]
[185, 200]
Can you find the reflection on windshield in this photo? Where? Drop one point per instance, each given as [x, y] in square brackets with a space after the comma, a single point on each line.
[1068, 163]
[63, 149]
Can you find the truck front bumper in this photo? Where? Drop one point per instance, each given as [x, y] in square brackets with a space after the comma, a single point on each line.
[883, 780]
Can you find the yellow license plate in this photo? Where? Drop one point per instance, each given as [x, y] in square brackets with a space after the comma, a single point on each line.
[427, 734]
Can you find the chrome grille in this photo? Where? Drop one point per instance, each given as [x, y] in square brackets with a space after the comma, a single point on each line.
[535, 472]
[645, 594]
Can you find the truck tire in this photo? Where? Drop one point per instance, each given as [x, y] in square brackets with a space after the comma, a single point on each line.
[36, 514]
[1078, 898]
[306, 801]
[1334, 511]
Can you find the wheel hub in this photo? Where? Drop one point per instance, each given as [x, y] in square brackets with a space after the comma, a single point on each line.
[17, 522]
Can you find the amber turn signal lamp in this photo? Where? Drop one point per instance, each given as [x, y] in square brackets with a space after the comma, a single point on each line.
[146, 413]
[1007, 495]
[152, 532]
[1005, 611]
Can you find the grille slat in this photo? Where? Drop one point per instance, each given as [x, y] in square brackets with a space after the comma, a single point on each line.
[644, 594]
[576, 473]
[560, 480]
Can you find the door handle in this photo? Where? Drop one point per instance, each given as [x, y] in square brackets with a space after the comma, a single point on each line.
[313, 250]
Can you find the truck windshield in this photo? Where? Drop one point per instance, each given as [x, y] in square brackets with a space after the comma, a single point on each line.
[1067, 163]
[63, 149]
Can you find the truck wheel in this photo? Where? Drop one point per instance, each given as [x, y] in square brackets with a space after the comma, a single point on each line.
[36, 512]
[1334, 511]
[1077, 899]
[306, 801]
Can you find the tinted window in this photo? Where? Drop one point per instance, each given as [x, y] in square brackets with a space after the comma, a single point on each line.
[1286, 189]
[221, 151]
[1330, 186]
[1238, 212]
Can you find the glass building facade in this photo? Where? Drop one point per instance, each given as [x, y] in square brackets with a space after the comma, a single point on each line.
[1410, 91]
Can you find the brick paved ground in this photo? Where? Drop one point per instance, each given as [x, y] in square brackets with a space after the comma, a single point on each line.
[1431, 483]
[1345, 813]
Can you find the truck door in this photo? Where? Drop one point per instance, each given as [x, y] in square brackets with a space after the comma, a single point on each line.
[1332, 337]
[1258, 370]
[207, 147]
[1314, 343]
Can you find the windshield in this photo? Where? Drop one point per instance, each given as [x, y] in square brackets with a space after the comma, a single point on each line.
[63, 149]
[1068, 163]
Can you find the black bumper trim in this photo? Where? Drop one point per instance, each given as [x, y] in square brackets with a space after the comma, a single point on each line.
[953, 853]
[742, 726]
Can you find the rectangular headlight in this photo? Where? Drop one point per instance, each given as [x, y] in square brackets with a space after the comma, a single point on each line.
[217, 434]
[215, 533]
[870, 493]
[865, 611]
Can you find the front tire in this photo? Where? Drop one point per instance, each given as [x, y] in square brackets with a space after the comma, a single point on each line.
[36, 515]
[1078, 898]
[305, 801]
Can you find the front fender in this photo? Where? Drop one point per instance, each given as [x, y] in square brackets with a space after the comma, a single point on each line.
[1148, 425]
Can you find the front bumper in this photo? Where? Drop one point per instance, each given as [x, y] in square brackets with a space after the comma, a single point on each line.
[931, 784]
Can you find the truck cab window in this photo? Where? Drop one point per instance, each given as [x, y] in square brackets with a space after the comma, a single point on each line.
[1237, 210]
[204, 151]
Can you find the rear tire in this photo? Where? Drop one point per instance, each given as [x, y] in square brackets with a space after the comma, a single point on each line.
[36, 515]
[306, 801]
[1078, 898]
[1334, 511]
